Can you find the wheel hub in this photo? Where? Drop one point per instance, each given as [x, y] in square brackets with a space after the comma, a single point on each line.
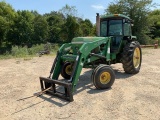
[105, 77]
[136, 57]
[68, 69]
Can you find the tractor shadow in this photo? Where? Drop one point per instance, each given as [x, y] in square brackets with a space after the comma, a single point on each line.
[121, 75]
[85, 82]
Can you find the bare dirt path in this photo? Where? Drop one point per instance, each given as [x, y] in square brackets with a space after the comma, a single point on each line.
[132, 97]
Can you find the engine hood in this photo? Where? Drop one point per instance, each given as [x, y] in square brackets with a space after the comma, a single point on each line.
[86, 39]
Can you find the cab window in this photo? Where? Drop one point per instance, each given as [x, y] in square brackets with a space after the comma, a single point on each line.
[115, 27]
[103, 29]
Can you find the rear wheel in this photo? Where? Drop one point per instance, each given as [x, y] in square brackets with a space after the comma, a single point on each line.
[103, 77]
[66, 70]
[132, 57]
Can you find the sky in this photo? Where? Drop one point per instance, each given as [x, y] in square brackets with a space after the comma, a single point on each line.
[86, 8]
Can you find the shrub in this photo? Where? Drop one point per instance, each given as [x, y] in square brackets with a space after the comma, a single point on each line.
[35, 49]
[25, 52]
[19, 51]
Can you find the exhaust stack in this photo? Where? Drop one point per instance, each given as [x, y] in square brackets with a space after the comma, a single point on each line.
[98, 25]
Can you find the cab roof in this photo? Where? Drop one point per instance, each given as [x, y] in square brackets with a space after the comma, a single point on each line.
[114, 16]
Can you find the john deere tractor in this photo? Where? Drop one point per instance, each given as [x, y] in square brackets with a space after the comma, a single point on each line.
[114, 44]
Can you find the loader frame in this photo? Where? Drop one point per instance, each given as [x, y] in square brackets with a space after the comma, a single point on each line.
[82, 58]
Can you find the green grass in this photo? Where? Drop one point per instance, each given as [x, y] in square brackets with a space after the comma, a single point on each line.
[29, 53]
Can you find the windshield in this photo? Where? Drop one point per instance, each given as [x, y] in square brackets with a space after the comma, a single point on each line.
[114, 28]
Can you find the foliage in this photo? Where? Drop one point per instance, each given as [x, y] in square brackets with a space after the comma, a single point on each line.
[41, 30]
[86, 27]
[35, 49]
[55, 21]
[154, 17]
[70, 29]
[21, 31]
[22, 52]
[18, 51]
[68, 11]
[25, 28]
[7, 15]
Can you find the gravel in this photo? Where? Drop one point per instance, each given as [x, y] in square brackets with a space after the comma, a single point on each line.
[132, 97]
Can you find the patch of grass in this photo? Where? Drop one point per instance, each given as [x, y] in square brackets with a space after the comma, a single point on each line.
[27, 58]
[19, 51]
[5, 57]
[28, 53]
[35, 49]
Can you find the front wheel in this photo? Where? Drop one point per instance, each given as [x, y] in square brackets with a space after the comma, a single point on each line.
[132, 57]
[66, 70]
[103, 77]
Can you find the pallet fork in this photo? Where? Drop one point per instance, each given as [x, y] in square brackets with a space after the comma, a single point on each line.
[46, 82]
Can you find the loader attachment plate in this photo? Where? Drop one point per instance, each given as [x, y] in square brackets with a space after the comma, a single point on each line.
[48, 82]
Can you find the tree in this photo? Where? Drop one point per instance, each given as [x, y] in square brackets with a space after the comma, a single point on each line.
[21, 31]
[55, 22]
[29, 27]
[68, 11]
[154, 18]
[93, 31]
[41, 30]
[70, 29]
[86, 27]
[7, 15]
[35, 13]
[138, 11]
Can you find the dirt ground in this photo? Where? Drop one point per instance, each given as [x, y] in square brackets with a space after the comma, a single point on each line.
[132, 97]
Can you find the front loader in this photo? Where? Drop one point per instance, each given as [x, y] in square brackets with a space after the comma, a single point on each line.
[114, 44]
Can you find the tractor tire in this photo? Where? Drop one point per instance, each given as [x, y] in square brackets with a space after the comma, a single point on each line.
[66, 70]
[93, 73]
[103, 77]
[132, 57]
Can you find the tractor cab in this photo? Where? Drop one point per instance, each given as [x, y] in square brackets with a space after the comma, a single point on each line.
[116, 26]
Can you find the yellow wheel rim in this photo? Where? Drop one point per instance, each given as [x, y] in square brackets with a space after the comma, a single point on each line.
[105, 77]
[136, 57]
[68, 70]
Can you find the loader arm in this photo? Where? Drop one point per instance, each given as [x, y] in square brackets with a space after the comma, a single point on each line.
[84, 52]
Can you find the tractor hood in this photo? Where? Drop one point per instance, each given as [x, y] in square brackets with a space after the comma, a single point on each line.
[82, 40]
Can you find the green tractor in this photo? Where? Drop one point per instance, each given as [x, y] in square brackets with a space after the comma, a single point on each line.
[114, 44]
